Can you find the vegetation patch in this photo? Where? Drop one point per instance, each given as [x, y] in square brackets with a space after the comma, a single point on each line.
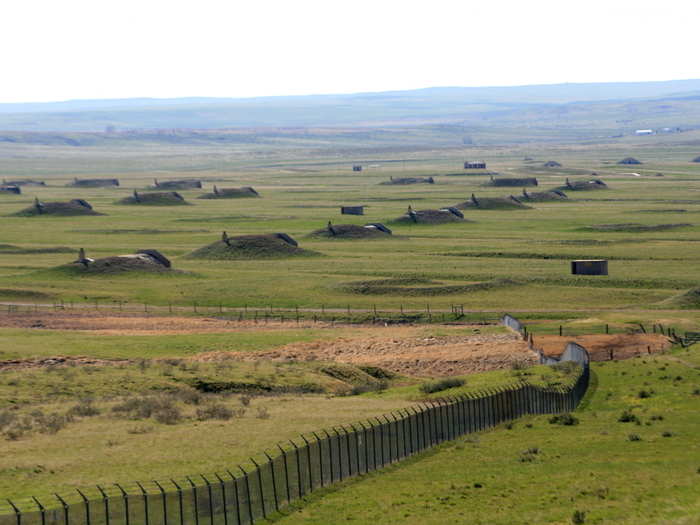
[689, 299]
[441, 384]
[634, 227]
[409, 180]
[179, 184]
[519, 182]
[269, 246]
[543, 196]
[419, 287]
[17, 250]
[583, 185]
[16, 293]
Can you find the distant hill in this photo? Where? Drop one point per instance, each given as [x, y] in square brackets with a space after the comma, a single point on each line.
[596, 108]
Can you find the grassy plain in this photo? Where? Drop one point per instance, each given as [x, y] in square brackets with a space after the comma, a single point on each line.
[504, 261]
[641, 471]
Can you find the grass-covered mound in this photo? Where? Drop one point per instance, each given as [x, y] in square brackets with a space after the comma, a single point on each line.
[551, 164]
[409, 180]
[266, 246]
[178, 184]
[518, 182]
[417, 286]
[71, 208]
[583, 185]
[231, 193]
[141, 261]
[492, 203]
[442, 216]
[352, 231]
[159, 198]
[23, 182]
[635, 227]
[543, 196]
[689, 299]
[94, 183]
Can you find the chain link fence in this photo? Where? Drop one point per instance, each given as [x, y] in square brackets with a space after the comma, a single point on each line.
[242, 495]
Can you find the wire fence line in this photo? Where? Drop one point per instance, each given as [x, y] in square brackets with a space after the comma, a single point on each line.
[242, 495]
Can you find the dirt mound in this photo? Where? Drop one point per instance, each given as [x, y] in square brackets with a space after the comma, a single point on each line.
[635, 227]
[273, 245]
[442, 216]
[551, 164]
[161, 198]
[543, 196]
[415, 356]
[600, 346]
[689, 299]
[512, 181]
[231, 193]
[409, 180]
[65, 209]
[583, 185]
[94, 183]
[12, 190]
[629, 160]
[141, 261]
[179, 184]
[492, 203]
[352, 231]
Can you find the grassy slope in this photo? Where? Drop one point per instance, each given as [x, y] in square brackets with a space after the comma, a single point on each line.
[592, 467]
[298, 202]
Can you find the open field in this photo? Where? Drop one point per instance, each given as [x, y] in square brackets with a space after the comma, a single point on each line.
[642, 471]
[163, 374]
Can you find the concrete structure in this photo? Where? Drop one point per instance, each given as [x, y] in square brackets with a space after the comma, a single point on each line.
[589, 267]
[471, 165]
[352, 210]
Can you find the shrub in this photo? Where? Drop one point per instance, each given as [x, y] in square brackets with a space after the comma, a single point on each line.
[263, 413]
[634, 437]
[696, 392]
[667, 434]
[49, 424]
[578, 517]
[245, 400]
[189, 396]
[441, 384]
[141, 429]
[628, 417]
[214, 411]
[84, 408]
[168, 415]
[645, 394]
[564, 419]
[6, 418]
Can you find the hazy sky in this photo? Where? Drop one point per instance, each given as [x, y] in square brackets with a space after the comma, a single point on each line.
[70, 49]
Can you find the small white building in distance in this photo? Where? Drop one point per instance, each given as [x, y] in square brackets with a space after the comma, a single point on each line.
[644, 132]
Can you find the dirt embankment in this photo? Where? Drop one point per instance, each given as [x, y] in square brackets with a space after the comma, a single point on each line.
[415, 356]
[46, 362]
[602, 346]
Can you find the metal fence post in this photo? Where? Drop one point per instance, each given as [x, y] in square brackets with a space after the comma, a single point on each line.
[237, 500]
[308, 462]
[42, 511]
[320, 458]
[286, 472]
[347, 449]
[165, 502]
[195, 499]
[247, 493]
[18, 513]
[356, 434]
[365, 442]
[223, 498]
[211, 501]
[330, 454]
[87, 506]
[145, 502]
[125, 497]
[179, 500]
[340, 454]
[65, 508]
[274, 481]
[381, 440]
[300, 488]
[260, 489]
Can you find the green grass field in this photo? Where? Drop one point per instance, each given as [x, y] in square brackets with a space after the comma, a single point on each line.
[642, 471]
[497, 261]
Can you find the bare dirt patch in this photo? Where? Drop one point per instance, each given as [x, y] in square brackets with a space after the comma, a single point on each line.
[415, 356]
[46, 362]
[600, 346]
